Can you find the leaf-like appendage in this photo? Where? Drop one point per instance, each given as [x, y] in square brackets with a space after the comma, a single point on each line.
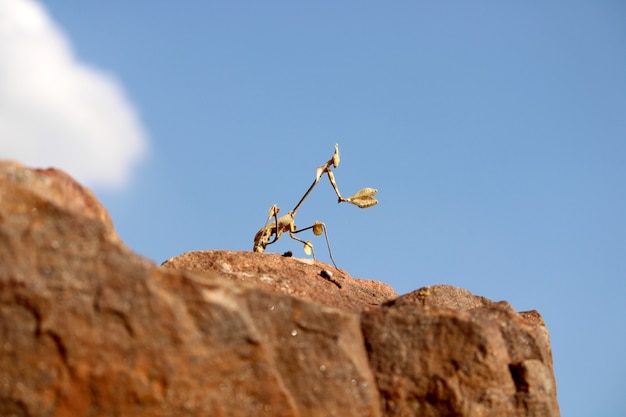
[307, 247]
[318, 228]
[366, 192]
[363, 198]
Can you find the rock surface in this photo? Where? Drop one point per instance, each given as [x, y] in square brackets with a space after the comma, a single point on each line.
[299, 278]
[88, 328]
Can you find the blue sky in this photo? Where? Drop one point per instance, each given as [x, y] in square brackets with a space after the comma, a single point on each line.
[495, 134]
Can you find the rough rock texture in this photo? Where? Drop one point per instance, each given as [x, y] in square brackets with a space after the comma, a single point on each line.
[441, 351]
[88, 328]
[299, 278]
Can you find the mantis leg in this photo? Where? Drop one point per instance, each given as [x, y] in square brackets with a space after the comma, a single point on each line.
[317, 224]
[331, 178]
[277, 234]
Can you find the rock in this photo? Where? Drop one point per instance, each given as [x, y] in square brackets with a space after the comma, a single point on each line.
[445, 296]
[299, 278]
[87, 327]
[441, 351]
[53, 188]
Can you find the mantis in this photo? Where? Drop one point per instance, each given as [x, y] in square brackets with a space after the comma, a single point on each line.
[364, 198]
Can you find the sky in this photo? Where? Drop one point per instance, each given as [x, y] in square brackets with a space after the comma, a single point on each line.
[495, 133]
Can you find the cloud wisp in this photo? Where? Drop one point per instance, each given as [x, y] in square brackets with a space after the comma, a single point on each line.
[57, 111]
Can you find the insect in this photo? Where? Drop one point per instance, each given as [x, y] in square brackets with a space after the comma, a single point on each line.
[273, 230]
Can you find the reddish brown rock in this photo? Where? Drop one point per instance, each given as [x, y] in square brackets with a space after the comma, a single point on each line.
[441, 351]
[300, 278]
[87, 327]
[53, 188]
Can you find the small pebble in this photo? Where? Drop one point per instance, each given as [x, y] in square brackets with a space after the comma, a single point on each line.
[326, 274]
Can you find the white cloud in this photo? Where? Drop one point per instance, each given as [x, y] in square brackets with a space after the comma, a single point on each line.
[57, 111]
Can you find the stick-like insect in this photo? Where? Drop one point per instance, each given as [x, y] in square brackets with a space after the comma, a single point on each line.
[363, 198]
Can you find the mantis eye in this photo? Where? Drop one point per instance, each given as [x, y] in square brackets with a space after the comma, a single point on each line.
[318, 228]
[308, 246]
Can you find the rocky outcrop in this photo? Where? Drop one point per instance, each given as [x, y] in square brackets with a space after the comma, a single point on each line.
[443, 352]
[304, 279]
[88, 328]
